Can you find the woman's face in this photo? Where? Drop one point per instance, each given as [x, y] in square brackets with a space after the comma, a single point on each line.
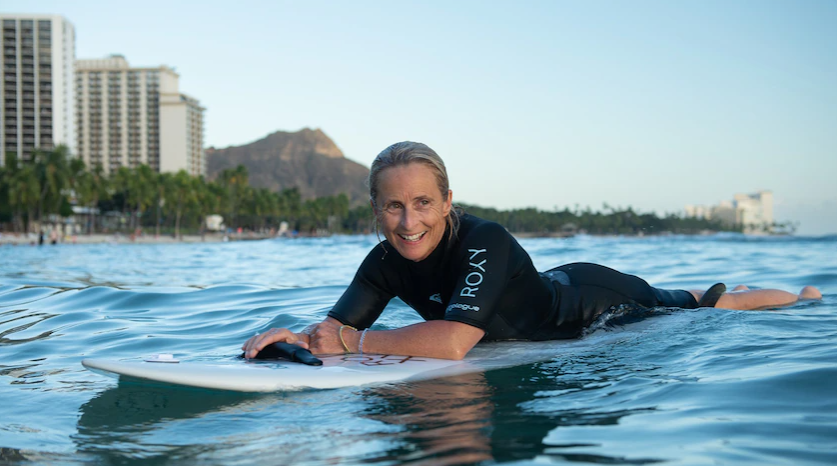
[411, 209]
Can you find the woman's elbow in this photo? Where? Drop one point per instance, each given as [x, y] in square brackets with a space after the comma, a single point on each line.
[457, 352]
[460, 347]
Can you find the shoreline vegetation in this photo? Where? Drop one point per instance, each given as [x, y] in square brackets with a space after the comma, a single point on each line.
[55, 199]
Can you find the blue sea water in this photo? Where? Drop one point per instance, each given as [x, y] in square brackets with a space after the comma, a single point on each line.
[704, 386]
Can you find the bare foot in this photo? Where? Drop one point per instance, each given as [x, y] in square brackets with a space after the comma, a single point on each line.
[809, 292]
[741, 288]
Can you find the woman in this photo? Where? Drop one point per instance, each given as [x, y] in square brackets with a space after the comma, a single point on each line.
[470, 279]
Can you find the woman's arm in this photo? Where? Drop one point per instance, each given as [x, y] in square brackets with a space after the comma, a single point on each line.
[434, 339]
[440, 339]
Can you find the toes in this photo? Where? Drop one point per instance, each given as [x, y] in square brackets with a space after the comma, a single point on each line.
[741, 288]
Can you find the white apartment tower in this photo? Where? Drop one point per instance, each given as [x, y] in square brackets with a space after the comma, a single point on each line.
[755, 211]
[131, 116]
[37, 110]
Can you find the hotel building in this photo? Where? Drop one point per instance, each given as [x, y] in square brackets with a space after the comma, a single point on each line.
[753, 212]
[131, 116]
[37, 108]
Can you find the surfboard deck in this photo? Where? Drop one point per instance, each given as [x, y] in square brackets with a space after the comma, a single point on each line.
[337, 370]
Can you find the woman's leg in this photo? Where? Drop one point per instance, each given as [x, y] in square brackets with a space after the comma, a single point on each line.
[743, 298]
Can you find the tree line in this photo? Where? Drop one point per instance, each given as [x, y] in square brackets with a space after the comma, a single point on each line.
[46, 189]
[609, 221]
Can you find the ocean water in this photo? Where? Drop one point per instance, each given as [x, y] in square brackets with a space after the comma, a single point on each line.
[704, 386]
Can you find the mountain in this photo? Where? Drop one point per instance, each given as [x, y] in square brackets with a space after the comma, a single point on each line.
[306, 159]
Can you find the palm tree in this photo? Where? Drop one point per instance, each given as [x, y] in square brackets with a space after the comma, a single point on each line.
[234, 182]
[164, 181]
[144, 192]
[121, 181]
[8, 174]
[181, 193]
[53, 172]
[99, 189]
[78, 181]
[24, 192]
[208, 199]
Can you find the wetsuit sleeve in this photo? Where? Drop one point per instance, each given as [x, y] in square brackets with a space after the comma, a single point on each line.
[483, 275]
[367, 295]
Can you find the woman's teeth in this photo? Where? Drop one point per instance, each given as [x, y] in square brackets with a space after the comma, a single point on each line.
[415, 237]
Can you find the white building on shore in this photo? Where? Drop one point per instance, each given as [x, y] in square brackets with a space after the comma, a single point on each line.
[131, 116]
[36, 90]
[753, 212]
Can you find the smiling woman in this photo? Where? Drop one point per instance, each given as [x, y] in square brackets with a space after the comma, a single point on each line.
[413, 213]
[470, 279]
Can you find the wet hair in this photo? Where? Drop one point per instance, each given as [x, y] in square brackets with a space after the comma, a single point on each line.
[405, 153]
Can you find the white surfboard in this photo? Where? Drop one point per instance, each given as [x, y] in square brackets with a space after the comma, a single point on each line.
[337, 370]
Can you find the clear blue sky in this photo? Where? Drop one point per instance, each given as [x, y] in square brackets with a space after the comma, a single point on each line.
[652, 104]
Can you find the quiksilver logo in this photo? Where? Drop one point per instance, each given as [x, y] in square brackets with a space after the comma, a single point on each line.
[436, 297]
[464, 307]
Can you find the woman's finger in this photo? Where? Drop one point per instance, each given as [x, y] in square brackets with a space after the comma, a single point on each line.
[258, 342]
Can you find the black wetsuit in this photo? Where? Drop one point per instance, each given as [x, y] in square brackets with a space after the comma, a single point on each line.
[483, 277]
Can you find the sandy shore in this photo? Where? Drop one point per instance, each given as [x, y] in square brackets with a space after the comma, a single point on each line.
[21, 239]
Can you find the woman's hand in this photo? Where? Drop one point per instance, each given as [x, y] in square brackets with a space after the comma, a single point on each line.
[257, 342]
[324, 337]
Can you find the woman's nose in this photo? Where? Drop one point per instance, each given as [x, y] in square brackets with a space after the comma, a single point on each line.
[409, 218]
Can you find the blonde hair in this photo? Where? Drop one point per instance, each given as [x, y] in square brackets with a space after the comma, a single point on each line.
[405, 153]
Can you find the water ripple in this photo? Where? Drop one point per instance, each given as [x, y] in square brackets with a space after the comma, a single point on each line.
[689, 387]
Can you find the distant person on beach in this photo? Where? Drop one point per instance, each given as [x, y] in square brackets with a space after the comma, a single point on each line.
[470, 279]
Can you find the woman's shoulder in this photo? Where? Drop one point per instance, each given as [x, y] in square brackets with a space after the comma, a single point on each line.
[470, 225]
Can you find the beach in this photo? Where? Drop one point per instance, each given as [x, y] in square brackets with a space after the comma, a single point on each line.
[31, 239]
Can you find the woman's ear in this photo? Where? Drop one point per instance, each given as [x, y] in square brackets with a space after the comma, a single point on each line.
[374, 209]
[448, 204]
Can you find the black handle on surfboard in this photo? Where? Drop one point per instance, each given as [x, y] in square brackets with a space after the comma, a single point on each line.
[290, 352]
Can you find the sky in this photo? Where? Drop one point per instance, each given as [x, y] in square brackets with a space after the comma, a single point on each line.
[547, 104]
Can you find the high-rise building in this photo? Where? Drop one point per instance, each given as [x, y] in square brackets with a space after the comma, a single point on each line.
[37, 110]
[753, 212]
[130, 116]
